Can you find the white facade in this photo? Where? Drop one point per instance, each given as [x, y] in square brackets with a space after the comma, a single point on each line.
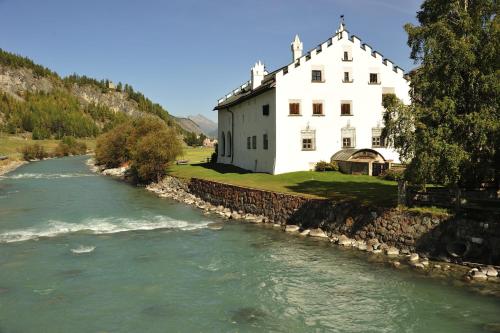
[298, 141]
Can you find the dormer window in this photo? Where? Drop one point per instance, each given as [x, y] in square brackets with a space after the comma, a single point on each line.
[346, 56]
[374, 78]
[317, 75]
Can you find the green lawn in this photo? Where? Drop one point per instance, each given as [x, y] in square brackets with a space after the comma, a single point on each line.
[366, 189]
[10, 145]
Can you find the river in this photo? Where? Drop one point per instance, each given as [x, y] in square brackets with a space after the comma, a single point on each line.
[81, 252]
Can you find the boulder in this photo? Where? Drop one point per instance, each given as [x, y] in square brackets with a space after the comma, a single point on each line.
[235, 216]
[305, 232]
[318, 233]
[478, 275]
[292, 228]
[392, 251]
[344, 241]
[489, 271]
[413, 257]
[396, 264]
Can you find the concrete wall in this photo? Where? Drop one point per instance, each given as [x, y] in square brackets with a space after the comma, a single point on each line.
[406, 230]
[248, 122]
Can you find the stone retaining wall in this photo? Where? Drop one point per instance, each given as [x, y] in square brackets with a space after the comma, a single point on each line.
[437, 236]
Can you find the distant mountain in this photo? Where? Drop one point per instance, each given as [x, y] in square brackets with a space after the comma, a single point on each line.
[188, 125]
[208, 126]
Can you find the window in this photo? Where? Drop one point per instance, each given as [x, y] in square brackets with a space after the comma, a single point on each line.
[249, 143]
[308, 139]
[346, 56]
[347, 77]
[316, 76]
[223, 145]
[294, 108]
[377, 141]
[254, 142]
[317, 109]
[374, 78]
[345, 109]
[265, 142]
[265, 110]
[346, 143]
[348, 137]
[229, 144]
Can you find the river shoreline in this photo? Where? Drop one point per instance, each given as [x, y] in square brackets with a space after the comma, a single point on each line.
[10, 166]
[484, 277]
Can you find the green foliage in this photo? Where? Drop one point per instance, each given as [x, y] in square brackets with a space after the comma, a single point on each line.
[393, 174]
[193, 140]
[213, 157]
[70, 146]
[16, 61]
[34, 152]
[153, 153]
[326, 166]
[455, 92]
[147, 143]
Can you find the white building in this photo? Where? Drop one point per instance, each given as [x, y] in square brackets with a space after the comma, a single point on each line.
[326, 101]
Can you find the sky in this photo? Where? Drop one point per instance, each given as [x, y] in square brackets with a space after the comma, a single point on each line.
[186, 54]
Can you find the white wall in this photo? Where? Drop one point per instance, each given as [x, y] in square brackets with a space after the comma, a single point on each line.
[366, 100]
[249, 121]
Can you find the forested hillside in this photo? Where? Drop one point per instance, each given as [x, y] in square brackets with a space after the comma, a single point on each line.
[35, 99]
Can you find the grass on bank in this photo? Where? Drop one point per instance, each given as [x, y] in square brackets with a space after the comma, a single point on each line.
[11, 145]
[334, 185]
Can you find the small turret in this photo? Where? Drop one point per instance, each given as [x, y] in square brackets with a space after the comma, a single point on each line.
[297, 48]
[258, 72]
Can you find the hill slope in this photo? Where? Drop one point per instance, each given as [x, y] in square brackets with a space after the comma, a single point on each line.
[208, 126]
[36, 99]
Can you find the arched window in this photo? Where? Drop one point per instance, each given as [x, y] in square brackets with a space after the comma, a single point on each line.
[223, 145]
[229, 144]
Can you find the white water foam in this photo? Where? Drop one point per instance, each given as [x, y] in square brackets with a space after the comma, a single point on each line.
[83, 249]
[98, 226]
[48, 175]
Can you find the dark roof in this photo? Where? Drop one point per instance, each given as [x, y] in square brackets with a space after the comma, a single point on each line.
[268, 83]
[345, 154]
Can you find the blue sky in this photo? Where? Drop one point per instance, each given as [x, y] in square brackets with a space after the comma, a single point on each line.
[185, 54]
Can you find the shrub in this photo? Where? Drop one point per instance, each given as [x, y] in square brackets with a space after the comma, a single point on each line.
[213, 158]
[34, 152]
[70, 146]
[392, 174]
[326, 166]
[153, 153]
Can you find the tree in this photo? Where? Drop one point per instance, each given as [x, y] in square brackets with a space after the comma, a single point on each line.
[153, 153]
[455, 92]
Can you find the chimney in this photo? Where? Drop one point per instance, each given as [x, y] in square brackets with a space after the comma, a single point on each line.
[297, 48]
[258, 72]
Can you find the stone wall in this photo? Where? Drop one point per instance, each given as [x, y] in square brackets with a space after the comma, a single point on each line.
[435, 235]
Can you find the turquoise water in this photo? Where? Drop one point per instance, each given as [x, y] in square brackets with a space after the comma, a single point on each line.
[85, 253]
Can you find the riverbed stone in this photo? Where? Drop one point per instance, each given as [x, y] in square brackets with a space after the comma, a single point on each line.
[292, 228]
[305, 232]
[215, 226]
[392, 251]
[489, 271]
[344, 241]
[318, 233]
[413, 257]
[478, 275]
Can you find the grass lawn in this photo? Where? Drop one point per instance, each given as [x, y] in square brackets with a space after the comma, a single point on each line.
[10, 145]
[366, 189]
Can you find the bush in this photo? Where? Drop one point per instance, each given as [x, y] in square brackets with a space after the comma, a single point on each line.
[147, 143]
[34, 152]
[326, 166]
[70, 146]
[392, 174]
[213, 158]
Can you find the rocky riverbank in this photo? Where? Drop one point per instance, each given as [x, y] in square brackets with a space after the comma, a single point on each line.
[9, 165]
[178, 190]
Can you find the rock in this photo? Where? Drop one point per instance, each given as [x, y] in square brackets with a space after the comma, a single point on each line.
[215, 226]
[276, 225]
[437, 266]
[489, 271]
[305, 232]
[478, 275]
[377, 251]
[292, 228]
[392, 251]
[318, 233]
[418, 266]
[362, 246]
[425, 262]
[396, 264]
[227, 214]
[235, 216]
[413, 257]
[344, 241]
